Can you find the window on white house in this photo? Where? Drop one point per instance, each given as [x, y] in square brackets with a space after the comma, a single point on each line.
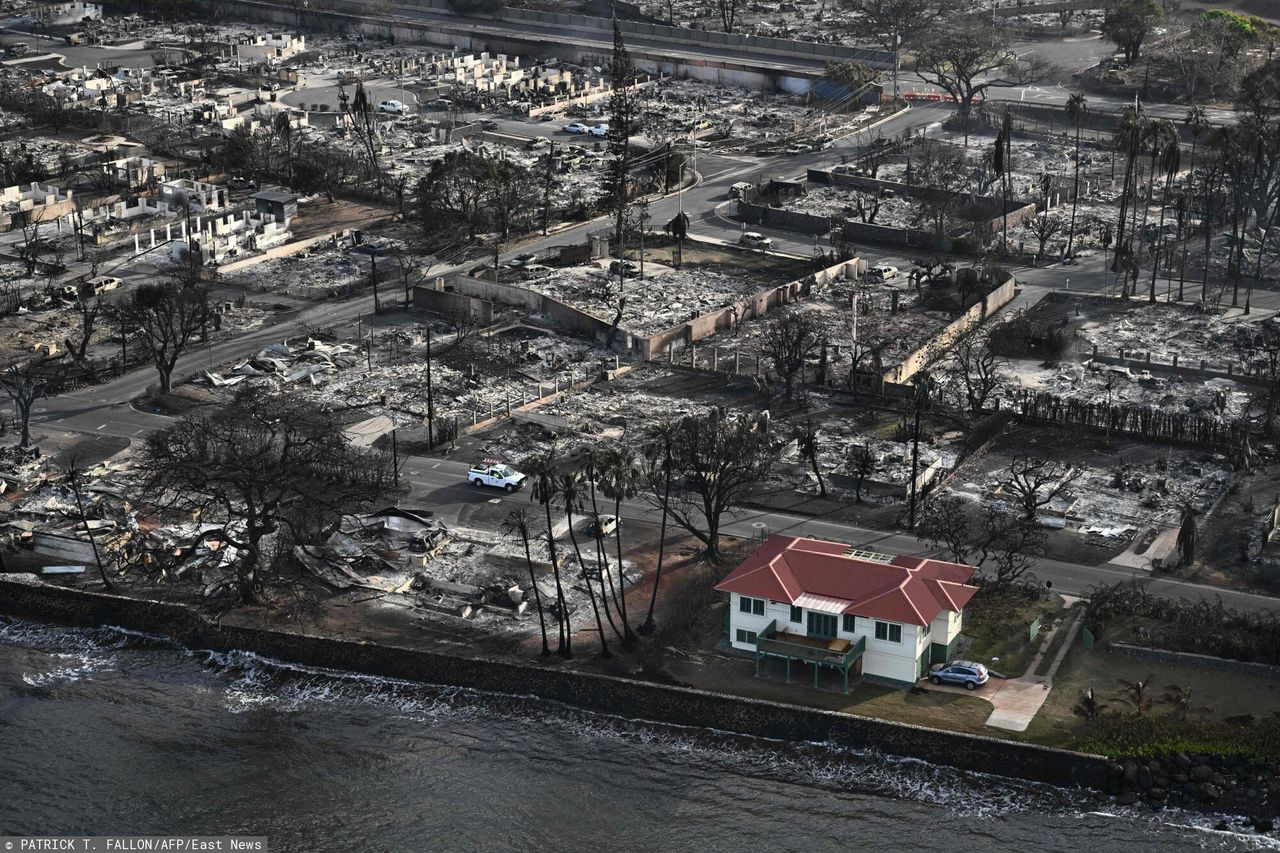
[850, 623]
[754, 606]
[746, 636]
[889, 631]
[797, 614]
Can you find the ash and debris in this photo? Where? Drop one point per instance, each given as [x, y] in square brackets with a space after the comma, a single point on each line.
[665, 297]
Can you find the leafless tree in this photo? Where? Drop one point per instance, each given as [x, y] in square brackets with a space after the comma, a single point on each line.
[728, 10]
[984, 536]
[24, 382]
[73, 472]
[807, 443]
[167, 316]
[261, 465]
[717, 462]
[788, 341]
[87, 312]
[1044, 227]
[971, 364]
[859, 465]
[1035, 482]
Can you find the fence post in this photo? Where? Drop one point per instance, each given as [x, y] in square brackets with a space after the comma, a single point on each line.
[693, 357]
[715, 359]
[737, 363]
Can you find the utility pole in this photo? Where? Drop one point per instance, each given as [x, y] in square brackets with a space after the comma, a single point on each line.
[546, 189]
[431, 408]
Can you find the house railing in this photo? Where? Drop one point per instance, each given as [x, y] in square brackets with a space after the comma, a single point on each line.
[767, 643]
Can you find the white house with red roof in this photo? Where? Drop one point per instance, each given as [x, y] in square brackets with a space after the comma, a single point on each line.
[825, 604]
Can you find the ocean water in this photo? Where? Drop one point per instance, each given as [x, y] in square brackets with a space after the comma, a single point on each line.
[105, 731]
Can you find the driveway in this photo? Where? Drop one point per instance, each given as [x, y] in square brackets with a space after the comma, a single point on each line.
[1016, 701]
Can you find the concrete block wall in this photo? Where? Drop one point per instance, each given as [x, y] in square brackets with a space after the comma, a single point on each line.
[977, 313]
[607, 694]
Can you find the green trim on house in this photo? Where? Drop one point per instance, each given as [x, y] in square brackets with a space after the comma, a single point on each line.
[942, 652]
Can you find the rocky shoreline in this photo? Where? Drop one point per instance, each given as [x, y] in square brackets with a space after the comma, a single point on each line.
[1213, 783]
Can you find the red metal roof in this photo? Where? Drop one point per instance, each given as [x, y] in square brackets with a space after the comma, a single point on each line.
[911, 590]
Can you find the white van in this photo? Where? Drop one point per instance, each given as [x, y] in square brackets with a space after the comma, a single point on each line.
[740, 190]
[882, 273]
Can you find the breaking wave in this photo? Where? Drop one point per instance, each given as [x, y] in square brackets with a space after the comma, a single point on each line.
[251, 683]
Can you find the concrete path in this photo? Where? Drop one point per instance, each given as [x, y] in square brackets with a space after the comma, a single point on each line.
[1016, 701]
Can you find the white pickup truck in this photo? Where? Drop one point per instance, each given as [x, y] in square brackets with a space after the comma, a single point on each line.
[495, 474]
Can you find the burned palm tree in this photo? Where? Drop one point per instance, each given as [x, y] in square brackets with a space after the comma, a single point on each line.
[545, 491]
[517, 524]
[620, 480]
[1127, 141]
[1170, 163]
[1088, 705]
[1076, 108]
[569, 485]
[593, 461]
[657, 461]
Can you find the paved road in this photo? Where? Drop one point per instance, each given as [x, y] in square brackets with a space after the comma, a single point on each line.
[99, 409]
[442, 482]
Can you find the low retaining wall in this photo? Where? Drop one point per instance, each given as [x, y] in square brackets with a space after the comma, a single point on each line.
[607, 694]
[1143, 653]
[977, 313]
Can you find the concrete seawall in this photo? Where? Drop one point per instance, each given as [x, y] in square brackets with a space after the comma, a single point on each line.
[607, 694]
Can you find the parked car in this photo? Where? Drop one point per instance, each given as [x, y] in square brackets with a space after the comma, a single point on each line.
[626, 268]
[488, 124]
[971, 675]
[101, 284]
[881, 273]
[496, 474]
[799, 148]
[601, 130]
[393, 106]
[576, 127]
[740, 190]
[844, 169]
[240, 184]
[537, 142]
[755, 240]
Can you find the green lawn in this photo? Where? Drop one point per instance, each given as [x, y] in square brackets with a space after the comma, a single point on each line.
[1000, 623]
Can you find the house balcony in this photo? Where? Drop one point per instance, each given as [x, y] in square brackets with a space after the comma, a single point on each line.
[839, 654]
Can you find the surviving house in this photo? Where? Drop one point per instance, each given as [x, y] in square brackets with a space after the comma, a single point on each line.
[827, 605]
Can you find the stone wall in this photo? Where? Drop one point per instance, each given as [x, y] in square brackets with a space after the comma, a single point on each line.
[1150, 655]
[977, 313]
[606, 694]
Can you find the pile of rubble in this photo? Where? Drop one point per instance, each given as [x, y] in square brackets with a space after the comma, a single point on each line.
[665, 297]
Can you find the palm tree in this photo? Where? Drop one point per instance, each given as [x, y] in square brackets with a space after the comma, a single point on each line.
[593, 464]
[1170, 162]
[620, 480]
[658, 460]
[1077, 106]
[1127, 140]
[545, 490]
[517, 524]
[1002, 161]
[569, 486]
[1157, 134]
